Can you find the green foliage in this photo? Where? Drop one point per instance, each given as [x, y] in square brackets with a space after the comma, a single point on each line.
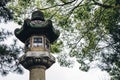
[64, 61]
[8, 54]
[4, 34]
[5, 12]
[55, 48]
[50, 1]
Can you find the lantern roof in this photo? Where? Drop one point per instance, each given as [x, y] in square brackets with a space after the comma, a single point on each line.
[37, 26]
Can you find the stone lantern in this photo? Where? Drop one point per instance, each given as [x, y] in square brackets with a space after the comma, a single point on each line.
[37, 35]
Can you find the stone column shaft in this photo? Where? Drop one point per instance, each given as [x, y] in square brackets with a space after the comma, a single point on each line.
[37, 74]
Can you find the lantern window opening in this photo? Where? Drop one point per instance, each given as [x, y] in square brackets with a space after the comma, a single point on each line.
[27, 44]
[47, 44]
[37, 41]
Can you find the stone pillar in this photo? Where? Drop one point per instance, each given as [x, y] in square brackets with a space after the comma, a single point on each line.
[37, 73]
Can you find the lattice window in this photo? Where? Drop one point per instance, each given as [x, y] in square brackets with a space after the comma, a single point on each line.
[37, 42]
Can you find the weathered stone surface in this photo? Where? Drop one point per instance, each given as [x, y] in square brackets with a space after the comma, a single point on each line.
[29, 61]
[37, 54]
[37, 73]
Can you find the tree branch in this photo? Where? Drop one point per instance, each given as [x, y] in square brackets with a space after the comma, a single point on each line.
[76, 6]
[59, 5]
[54, 13]
[104, 5]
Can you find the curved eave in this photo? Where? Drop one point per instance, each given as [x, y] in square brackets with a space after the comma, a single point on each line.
[23, 34]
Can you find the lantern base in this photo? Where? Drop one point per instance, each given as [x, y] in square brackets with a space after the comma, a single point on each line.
[34, 59]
